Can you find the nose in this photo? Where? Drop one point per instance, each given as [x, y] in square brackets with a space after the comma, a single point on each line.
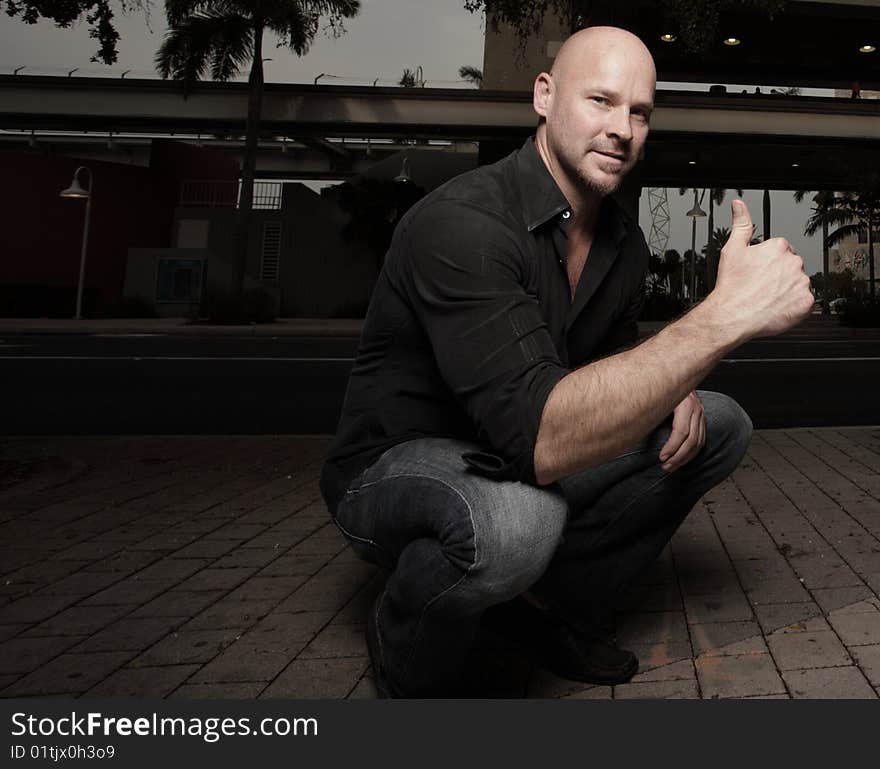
[619, 123]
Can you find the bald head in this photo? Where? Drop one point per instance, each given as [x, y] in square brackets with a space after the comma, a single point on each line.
[585, 49]
[596, 103]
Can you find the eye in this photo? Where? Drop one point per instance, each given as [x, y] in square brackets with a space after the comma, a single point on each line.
[599, 99]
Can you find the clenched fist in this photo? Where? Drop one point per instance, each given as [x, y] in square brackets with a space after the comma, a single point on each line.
[761, 290]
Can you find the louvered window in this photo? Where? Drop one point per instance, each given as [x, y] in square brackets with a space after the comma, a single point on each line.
[271, 251]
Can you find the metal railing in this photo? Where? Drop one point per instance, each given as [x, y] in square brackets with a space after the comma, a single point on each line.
[225, 194]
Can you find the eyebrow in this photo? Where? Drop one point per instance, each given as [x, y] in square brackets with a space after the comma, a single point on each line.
[648, 106]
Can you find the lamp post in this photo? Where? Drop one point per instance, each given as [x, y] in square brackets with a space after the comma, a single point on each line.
[695, 213]
[76, 191]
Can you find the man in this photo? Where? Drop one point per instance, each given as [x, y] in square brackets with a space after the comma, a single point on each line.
[493, 451]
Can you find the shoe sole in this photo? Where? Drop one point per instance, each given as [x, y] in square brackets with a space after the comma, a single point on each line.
[598, 679]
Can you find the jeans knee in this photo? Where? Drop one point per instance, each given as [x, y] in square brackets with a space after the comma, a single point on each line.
[728, 427]
[521, 547]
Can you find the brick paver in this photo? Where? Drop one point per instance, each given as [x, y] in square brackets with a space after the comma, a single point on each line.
[829, 684]
[207, 567]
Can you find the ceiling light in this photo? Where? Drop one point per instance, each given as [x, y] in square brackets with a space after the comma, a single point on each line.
[795, 165]
[868, 49]
[732, 41]
[668, 38]
[692, 162]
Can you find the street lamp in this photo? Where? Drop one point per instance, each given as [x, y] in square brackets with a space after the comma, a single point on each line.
[695, 213]
[76, 191]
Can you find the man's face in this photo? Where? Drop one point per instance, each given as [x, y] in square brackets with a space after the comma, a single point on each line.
[597, 115]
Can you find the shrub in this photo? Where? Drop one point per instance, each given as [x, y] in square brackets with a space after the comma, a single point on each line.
[861, 314]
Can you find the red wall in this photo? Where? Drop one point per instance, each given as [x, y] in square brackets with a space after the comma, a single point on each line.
[132, 207]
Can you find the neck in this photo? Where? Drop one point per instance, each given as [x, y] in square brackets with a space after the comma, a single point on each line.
[585, 203]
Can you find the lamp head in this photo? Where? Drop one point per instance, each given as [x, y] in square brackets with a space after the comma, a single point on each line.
[404, 176]
[75, 190]
[696, 212]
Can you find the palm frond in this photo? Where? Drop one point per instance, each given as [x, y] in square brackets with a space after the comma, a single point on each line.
[233, 48]
[842, 233]
[201, 41]
[177, 11]
[295, 28]
[297, 23]
[471, 74]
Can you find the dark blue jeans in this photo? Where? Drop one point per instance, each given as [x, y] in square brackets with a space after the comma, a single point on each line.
[457, 542]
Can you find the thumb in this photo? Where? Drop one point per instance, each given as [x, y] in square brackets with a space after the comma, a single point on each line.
[742, 228]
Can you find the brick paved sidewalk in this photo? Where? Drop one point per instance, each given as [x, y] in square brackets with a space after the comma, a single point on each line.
[207, 567]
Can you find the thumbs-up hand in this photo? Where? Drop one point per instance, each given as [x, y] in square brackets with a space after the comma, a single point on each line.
[761, 288]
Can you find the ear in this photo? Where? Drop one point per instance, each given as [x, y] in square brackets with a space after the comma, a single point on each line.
[542, 97]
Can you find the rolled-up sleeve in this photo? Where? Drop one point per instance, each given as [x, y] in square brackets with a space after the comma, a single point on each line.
[463, 274]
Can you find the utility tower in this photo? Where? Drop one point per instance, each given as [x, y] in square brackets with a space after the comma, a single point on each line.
[659, 205]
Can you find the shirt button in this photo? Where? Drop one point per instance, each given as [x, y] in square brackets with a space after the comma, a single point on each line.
[566, 214]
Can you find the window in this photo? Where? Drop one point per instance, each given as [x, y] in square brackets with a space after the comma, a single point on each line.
[180, 280]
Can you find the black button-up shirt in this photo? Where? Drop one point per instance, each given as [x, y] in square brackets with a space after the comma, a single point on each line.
[472, 323]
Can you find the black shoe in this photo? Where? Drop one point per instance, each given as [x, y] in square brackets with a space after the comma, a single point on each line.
[554, 644]
[385, 688]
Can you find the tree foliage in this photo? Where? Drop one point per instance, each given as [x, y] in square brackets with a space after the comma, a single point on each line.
[219, 36]
[696, 20]
[99, 15]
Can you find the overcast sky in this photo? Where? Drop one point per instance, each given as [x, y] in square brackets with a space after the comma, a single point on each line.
[388, 35]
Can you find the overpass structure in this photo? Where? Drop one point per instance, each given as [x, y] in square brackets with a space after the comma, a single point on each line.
[702, 138]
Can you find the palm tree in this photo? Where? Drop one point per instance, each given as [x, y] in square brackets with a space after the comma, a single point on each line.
[823, 202]
[407, 79]
[220, 37]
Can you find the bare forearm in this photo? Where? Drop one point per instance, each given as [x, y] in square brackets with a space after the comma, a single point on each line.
[599, 410]
[596, 412]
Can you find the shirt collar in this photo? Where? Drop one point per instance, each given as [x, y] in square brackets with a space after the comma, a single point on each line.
[543, 200]
[541, 196]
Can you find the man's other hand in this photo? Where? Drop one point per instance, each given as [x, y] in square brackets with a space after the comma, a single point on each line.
[688, 434]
